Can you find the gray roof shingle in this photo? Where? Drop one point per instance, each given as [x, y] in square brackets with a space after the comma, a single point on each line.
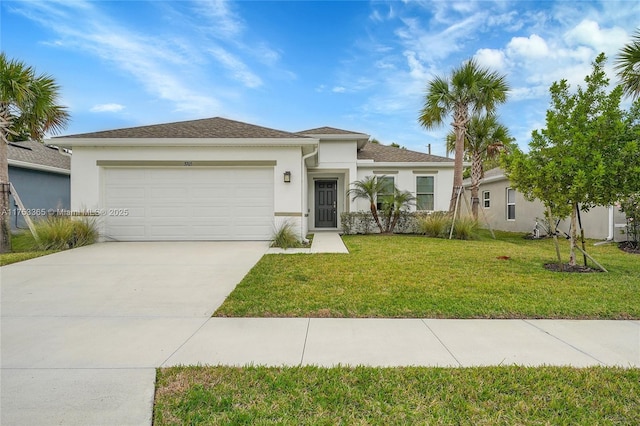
[37, 153]
[328, 131]
[216, 127]
[388, 154]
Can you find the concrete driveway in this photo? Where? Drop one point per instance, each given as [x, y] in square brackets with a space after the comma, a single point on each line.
[83, 330]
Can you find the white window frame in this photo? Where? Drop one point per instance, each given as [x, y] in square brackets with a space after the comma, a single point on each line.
[486, 199]
[427, 193]
[512, 203]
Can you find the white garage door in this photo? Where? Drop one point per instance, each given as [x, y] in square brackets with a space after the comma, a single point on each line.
[153, 204]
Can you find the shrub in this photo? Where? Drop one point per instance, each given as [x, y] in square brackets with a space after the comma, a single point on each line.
[631, 209]
[437, 225]
[465, 228]
[285, 237]
[64, 232]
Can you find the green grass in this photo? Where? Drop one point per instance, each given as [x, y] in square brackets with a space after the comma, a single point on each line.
[23, 247]
[417, 277]
[397, 396]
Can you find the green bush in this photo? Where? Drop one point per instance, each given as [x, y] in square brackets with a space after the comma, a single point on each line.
[285, 237]
[465, 228]
[436, 225]
[64, 232]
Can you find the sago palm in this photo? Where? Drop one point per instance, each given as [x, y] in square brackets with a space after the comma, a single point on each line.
[469, 89]
[484, 140]
[29, 107]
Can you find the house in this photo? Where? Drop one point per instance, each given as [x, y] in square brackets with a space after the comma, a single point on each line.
[506, 209]
[220, 179]
[40, 175]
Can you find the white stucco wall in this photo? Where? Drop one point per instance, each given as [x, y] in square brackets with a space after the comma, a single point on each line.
[405, 174]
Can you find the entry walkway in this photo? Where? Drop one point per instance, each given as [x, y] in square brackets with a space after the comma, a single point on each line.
[323, 242]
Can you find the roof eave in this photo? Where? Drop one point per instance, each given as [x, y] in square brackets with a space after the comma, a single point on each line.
[183, 142]
[412, 164]
[38, 167]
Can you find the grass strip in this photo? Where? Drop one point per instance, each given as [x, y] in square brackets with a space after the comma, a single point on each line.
[397, 396]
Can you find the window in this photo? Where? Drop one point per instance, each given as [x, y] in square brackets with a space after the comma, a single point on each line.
[486, 199]
[424, 192]
[511, 204]
[386, 193]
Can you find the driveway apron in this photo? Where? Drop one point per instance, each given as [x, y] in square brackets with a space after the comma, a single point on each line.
[82, 331]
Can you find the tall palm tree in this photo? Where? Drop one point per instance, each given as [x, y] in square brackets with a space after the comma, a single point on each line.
[368, 189]
[484, 140]
[469, 89]
[627, 65]
[28, 106]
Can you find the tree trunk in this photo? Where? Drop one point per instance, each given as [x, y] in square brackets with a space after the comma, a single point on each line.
[459, 123]
[5, 225]
[573, 240]
[554, 231]
[376, 218]
[476, 175]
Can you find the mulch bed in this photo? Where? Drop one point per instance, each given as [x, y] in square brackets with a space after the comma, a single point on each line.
[629, 247]
[565, 267]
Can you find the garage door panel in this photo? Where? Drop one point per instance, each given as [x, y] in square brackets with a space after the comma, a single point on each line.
[189, 203]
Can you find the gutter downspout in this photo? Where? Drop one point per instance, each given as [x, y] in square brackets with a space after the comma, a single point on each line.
[611, 229]
[305, 200]
[611, 224]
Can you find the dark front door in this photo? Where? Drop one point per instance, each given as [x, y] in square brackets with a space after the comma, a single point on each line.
[326, 203]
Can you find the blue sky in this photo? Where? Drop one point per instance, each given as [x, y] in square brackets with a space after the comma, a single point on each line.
[295, 65]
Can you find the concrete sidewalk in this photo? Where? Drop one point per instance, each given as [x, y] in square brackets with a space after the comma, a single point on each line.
[411, 342]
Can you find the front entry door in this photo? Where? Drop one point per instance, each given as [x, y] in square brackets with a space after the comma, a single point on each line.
[326, 204]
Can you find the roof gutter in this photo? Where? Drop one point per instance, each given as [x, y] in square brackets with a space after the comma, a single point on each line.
[39, 167]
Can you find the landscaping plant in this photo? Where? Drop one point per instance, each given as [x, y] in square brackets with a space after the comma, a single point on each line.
[285, 236]
[65, 232]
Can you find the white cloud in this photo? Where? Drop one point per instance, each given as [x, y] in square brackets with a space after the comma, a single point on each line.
[238, 68]
[338, 89]
[493, 59]
[589, 33]
[107, 108]
[533, 47]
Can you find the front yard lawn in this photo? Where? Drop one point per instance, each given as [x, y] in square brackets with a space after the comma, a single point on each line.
[22, 249]
[416, 277]
[397, 396]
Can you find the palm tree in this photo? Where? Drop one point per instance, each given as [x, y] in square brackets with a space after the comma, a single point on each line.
[469, 89]
[628, 66]
[368, 189]
[28, 106]
[485, 139]
[394, 206]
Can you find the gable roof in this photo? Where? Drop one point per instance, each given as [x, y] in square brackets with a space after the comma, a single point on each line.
[28, 154]
[389, 154]
[328, 131]
[216, 127]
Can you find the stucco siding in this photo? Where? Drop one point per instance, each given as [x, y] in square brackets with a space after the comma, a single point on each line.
[595, 222]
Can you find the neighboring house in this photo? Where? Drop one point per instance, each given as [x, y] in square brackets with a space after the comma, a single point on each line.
[506, 209]
[40, 175]
[219, 179]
